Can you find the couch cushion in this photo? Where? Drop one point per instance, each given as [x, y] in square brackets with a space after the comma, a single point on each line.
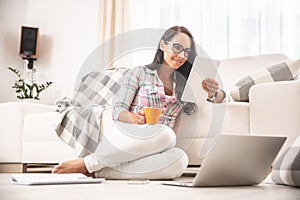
[286, 169]
[283, 71]
[233, 69]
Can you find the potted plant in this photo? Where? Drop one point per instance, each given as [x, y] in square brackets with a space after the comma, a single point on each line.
[30, 89]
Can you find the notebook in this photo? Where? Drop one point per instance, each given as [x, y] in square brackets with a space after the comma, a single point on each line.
[49, 179]
[203, 67]
[236, 160]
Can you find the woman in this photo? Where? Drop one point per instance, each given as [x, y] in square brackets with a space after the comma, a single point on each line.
[167, 74]
[130, 151]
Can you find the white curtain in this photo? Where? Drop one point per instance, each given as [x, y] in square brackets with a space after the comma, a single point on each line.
[225, 28]
[113, 20]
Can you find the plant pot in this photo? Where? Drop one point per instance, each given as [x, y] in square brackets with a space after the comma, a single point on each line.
[30, 100]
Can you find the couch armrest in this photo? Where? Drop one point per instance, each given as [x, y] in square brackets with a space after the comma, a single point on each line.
[40, 141]
[30, 108]
[275, 109]
[11, 122]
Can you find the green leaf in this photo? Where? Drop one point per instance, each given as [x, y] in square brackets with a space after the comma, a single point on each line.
[25, 90]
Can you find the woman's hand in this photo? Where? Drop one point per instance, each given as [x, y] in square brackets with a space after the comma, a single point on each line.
[133, 118]
[211, 86]
[138, 117]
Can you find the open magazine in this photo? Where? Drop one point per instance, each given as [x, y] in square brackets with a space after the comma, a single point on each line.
[48, 179]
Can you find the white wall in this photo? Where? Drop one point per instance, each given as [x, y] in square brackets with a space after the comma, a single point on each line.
[69, 33]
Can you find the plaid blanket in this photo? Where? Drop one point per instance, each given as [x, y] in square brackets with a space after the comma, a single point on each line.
[79, 119]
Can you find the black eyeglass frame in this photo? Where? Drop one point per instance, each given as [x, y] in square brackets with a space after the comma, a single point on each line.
[186, 53]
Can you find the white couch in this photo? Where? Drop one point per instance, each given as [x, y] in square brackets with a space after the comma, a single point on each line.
[273, 108]
[27, 134]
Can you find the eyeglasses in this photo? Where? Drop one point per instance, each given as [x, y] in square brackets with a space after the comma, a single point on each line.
[178, 48]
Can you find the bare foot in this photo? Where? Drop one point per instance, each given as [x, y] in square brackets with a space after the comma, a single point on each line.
[71, 166]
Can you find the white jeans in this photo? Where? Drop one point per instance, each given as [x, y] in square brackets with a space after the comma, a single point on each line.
[129, 151]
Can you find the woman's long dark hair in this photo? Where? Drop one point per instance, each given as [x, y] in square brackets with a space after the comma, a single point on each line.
[180, 75]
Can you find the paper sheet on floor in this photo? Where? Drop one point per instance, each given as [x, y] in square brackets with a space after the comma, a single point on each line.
[49, 179]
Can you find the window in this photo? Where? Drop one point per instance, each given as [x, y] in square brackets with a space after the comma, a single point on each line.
[225, 28]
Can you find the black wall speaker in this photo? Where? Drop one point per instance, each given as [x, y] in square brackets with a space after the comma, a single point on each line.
[29, 44]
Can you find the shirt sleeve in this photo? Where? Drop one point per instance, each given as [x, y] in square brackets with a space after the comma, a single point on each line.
[127, 92]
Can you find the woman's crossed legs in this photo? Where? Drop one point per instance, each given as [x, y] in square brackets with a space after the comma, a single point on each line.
[128, 150]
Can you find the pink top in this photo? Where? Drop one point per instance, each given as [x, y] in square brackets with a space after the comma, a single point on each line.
[142, 88]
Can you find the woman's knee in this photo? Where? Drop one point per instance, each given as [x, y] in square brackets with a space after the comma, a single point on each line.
[159, 137]
[168, 135]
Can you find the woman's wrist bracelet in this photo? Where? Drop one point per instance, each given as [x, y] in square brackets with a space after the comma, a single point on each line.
[212, 99]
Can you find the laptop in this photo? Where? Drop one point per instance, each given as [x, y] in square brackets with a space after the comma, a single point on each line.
[203, 67]
[236, 160]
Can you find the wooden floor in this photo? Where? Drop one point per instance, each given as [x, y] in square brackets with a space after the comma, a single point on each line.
[115, 189]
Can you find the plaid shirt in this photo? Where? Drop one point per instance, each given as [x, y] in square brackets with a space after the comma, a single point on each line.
[142, 88]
